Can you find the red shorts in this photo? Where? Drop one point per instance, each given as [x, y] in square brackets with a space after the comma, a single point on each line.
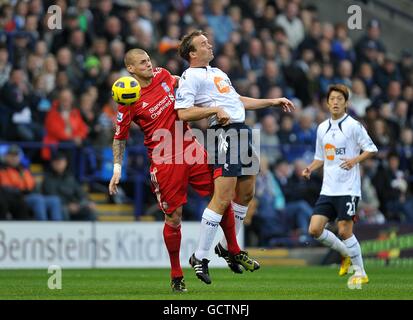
[170, 182]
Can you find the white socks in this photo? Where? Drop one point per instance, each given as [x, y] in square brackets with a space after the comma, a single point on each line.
[354, 250]
[240, 212]
[209, 226]
[329, 239]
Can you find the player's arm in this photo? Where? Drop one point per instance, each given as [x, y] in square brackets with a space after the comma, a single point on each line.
[318, 161]
[185, 102]
[123, 123]
[118, 149]
[366, 144]
[197, 113]
[348, 164]
[316, 164]
[254, 104]
[176, 81]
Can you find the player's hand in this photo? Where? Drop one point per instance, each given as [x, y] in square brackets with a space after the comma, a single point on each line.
[347, 164]
[223, 118]
[113, 185]
[285, 104]
[306, 173]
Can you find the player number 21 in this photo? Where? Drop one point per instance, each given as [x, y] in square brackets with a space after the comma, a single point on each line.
[351, 208]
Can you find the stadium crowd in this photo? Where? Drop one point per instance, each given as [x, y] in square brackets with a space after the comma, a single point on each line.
[55, 86]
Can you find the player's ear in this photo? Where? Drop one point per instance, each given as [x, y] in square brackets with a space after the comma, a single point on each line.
[129, 68]
[192, 54]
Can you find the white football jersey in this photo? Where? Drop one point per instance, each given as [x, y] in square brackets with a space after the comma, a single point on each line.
[209, 87]
[338, 139]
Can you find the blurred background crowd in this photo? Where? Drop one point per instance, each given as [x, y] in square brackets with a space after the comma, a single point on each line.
[55, 88]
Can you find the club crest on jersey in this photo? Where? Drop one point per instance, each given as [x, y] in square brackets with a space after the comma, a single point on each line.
[171, 96]
[165, 87]
[119, 116]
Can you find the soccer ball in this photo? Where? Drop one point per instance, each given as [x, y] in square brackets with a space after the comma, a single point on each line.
[126, 90]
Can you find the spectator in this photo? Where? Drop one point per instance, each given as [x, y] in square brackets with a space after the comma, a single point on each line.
[5, 65]
[269, 140]
[292, 24]
[60, 182]
[18, 185]
[15, 96]
[270, 221]
[368, 207]
[306, 131]
[359, 100]
[63, 123]
[393, 191]
[221, 23]
[297, 212]
[372, 38]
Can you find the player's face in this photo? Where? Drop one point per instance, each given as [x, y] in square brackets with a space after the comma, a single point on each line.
[203, 49]
[141, 67]
[337, 104]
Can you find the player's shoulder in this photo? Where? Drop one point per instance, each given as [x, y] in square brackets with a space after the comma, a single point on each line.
[352, 123]
[160, 72]
[193, 73]
[324, 126]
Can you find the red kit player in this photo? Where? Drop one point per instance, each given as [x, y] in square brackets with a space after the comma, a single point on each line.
[170, 174]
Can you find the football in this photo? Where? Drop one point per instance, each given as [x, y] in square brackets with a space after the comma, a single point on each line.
[126, 90]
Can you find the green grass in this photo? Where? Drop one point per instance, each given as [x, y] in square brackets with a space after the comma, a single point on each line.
[266, 283]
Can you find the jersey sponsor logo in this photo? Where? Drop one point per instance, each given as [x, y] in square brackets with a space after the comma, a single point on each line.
[119, 117]
[159, 107]
[171, 96]
[331, 151]
[221, 84]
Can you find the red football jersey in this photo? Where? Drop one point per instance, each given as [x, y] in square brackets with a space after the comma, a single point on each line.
[155, 114]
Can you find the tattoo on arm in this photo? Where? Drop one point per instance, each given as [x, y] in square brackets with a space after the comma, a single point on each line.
[118, 148]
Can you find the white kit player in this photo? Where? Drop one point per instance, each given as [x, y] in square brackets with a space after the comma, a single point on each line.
[340, 140]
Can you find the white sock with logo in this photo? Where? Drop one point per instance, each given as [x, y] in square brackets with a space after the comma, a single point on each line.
[239, 212]
[330, 240]
[354, 250]
[209, 226]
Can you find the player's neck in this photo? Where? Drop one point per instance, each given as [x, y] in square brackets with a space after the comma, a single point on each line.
[337, 116]
[198, 64]
[144, 82]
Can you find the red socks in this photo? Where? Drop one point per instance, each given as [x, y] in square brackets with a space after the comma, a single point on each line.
[228, 226]
[172, 238]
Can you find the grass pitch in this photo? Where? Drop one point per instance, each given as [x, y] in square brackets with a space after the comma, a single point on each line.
[268, 283]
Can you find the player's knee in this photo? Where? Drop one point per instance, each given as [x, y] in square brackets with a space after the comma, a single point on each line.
[245, 198]
[314, 231]
[173, 219]
[344, 234]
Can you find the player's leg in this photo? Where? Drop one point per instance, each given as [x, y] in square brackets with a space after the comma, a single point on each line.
[244, 193]
[169, 186]
[318, 231]
[172, 237]
[345, 230]
[202, 182]
[224, 190]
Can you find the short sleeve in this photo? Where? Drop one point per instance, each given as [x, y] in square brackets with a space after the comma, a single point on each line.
[319, 151]
[188, 88]
[363, 139]
[123, 122]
